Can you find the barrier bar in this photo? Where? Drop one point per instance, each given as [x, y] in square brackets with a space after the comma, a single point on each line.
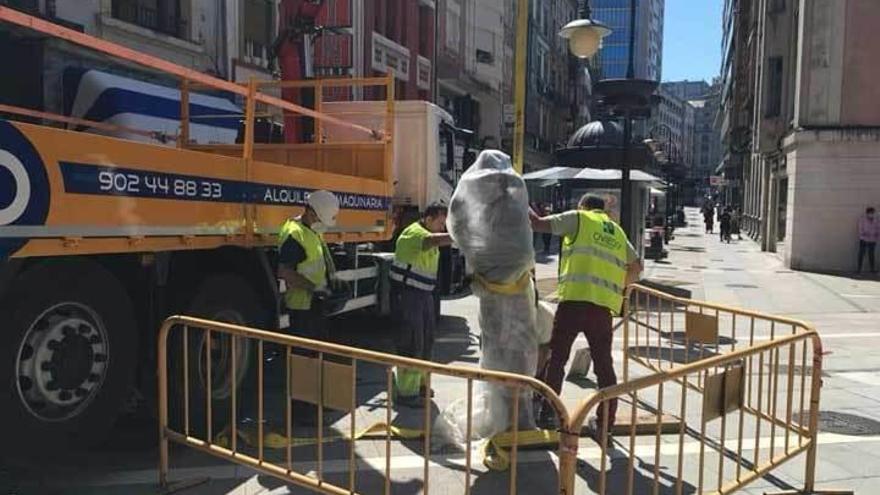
[389, 391]
[427, 433]
[657, 439]
[513, 449]
[288, 416]
[209, 388]
[234, 422]
[468, 434]
[186, 379]
[260, 418]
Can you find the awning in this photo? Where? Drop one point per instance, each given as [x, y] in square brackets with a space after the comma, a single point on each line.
[594, 174]
[104, 97]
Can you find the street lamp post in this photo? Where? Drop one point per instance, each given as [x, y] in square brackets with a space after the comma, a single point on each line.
[625, 182]
[628, 98]
[584, 36]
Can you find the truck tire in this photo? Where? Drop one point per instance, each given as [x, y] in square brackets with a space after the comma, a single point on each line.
[227, 298]
[68, 355]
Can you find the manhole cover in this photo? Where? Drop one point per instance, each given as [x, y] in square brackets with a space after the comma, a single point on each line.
[701, 267]
[729, 269]
[784, 271]
[716, 259]
[843, 423]
[742, 286]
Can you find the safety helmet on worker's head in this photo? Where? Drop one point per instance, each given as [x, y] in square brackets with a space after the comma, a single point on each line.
[325, 205]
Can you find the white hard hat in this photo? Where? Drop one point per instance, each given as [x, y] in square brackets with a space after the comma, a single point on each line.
[326, 206]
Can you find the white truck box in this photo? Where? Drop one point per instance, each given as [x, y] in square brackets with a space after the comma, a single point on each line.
[419, 178]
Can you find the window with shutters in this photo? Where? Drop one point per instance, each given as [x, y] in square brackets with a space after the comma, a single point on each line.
[258, 32]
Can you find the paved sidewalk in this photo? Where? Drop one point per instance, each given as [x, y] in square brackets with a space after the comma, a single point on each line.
[845, 310]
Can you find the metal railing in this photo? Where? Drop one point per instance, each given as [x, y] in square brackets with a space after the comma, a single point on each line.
[718, 395]
[327, 376]
[718, 398]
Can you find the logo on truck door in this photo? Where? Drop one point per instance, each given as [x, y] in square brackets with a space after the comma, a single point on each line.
[24, 189]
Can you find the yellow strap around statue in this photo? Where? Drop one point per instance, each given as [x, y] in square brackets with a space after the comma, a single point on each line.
[510, 289]
[495, 451]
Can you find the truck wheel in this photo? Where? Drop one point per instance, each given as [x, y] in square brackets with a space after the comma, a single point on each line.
[226, 298]
[68, 354]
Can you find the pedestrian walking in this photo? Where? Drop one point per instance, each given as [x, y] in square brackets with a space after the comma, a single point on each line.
[736, 223]
[597, 262]
[414, 277]
[869, 232]
[725, 220]
[709, 217]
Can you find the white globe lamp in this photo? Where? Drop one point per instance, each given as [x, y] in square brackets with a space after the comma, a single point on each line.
[584, 36]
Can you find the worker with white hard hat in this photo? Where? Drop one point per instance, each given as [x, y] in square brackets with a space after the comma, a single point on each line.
[304, 261]
[305, 265]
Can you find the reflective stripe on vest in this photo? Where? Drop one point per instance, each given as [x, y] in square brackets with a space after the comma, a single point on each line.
[414, 266]
[598, 253]
[593, 265]
[313, 267]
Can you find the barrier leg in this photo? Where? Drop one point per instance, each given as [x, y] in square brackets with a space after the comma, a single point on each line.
[813, 450]
[568, 449]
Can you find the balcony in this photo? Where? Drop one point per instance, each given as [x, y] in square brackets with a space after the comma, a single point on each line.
[390, 57]
[166, 21]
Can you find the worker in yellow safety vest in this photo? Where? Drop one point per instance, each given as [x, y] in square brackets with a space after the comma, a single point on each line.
[414, 278]
[304, 263]
[597, 263]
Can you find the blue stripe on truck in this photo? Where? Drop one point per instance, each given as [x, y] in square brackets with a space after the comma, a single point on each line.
[102, 180]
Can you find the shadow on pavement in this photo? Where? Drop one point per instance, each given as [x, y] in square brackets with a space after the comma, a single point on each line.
[617, 476]
[676, 355]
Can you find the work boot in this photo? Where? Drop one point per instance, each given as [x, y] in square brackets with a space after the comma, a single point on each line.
[594, 430]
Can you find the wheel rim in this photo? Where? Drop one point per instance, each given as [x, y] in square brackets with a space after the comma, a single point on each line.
[221, 357]
[61, 362]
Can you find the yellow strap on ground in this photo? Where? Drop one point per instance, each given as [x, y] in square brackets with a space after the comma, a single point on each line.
[510, 289]
[495, 451]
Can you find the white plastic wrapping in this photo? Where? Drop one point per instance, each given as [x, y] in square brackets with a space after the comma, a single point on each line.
[488, 219]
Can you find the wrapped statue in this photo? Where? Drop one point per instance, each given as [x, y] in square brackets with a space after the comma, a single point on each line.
[488, 220]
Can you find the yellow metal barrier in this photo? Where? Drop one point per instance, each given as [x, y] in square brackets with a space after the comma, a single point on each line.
[740, 388]
[722, 393]
[320, 373]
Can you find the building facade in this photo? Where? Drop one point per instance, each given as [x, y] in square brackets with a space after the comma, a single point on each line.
[808, 163]
[707, 139]
[229, 39]
[687, 90]
[614, 56]
[552, 105]
[390, 37]
[472, 57]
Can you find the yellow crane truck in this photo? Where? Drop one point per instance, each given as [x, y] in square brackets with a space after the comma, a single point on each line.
[102, 237]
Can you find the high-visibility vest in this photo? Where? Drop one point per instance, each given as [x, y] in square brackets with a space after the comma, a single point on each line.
[414, 266]
[313, 267]
[593, 265]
